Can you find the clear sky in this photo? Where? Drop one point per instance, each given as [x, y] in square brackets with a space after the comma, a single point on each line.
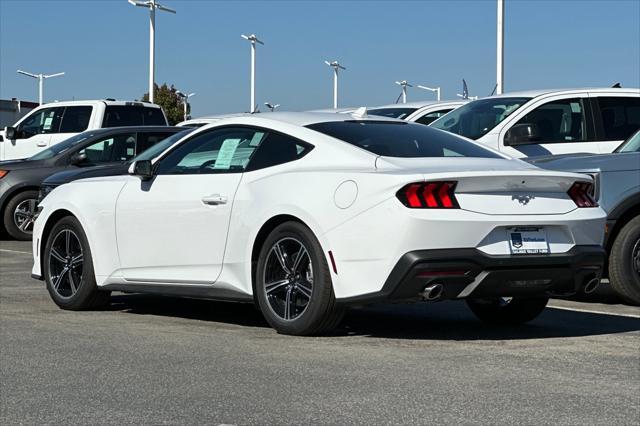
[103, 48]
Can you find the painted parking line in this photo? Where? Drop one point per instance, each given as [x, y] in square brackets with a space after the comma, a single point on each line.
[592, 311]
[16, 251]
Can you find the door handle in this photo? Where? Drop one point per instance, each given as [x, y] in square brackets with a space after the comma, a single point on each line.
[214, 199]
[41, 143]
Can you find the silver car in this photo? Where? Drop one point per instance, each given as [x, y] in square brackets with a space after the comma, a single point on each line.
[617, 190]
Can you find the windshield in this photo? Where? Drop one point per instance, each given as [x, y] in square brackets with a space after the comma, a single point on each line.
[392, 112]
[402, 139]
[158, 148]
[631, 145]
[477, 118]
[61, 147]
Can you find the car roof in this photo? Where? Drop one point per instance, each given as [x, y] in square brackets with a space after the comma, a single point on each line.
[541, 92]
[422, 104]
[98, 101]
[122, 129]
[308, 118]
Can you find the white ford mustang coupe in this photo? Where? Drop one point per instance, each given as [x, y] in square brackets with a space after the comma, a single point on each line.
[306, 214]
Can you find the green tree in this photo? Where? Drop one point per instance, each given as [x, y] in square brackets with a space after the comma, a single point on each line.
[171, 103]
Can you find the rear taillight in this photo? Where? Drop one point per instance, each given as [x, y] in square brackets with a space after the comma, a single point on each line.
[429, 195]
[581, 194]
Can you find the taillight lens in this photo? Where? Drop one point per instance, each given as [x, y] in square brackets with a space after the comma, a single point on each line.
[429, 195]
[581, 194]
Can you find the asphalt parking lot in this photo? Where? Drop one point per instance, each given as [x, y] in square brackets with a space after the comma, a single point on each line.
[155, 360]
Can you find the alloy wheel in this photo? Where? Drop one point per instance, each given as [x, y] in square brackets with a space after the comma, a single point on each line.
[635, 257]
[66, 263]
[24, 215]
[288, 278]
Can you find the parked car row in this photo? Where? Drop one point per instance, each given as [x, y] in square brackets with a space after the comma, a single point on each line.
[512, 235]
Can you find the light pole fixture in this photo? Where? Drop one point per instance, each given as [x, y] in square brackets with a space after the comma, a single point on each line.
[41, 78]
[404, 86]
[336, 66]
[253, 39]
[185, 102]
[432, 89]
[271, 106]
[152, 6]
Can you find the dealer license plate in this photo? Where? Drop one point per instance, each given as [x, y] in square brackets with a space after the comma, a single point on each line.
[527, 240]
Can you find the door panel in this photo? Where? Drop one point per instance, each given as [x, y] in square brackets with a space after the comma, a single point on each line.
[167, 233]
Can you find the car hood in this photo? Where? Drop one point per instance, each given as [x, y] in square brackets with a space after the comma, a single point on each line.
[67, 176]
[22, 164]
[614, 162]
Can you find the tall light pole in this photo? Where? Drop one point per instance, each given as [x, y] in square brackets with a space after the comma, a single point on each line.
[185, 102]
[41, 78]
[152, 6]
[253, 39]
[404, 86]
[432, 89]
[336, 66]
[500, 50]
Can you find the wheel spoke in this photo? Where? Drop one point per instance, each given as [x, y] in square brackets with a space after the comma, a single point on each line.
[25, 224]
[23, 214]
[304, 289]
[32, 206]
[301, 254]
[58, 280]
[67, 241]
[57, 256]
[72, 283]
[271, 287]
[287, 305]
[76, 260]
[281, 258]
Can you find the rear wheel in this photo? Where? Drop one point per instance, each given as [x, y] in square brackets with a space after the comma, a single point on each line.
[293, 283]
[19, 215]
[507, 310]
[624, 262]
[68, 268]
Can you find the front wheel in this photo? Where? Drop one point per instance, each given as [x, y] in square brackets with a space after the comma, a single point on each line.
[293, 283]
[624, 262]
[19, 215]
[507, 310]
[68, 268]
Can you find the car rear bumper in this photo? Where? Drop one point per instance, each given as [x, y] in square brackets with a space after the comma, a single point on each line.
[471, 273]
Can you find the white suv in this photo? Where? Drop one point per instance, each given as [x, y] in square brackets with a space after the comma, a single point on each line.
[534, 123]
[55, 122]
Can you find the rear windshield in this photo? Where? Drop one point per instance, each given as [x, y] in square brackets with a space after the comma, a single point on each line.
[132, 115]
[401, 139]
[392, 112]
[477, 118]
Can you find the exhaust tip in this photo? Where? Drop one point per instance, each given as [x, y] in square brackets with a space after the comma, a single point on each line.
[592, 285]
[432, 292]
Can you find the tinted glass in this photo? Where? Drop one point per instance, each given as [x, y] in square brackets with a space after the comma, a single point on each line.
[225, 150]
[277, 149]
[392, 112]
[61, 147]
[432, 116]
[632, 144]
[397, 139]
[620, 117]
[154, 117]
[42, 122]
[112, 149]
[75, 119]
[160, 147]
[132, 115]
[147, 139]
[477, 118]
[557, 121]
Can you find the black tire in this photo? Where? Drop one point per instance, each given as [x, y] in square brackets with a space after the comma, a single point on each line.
[513, 311]
[624, 262]
[321, 312]
[23, 199]
[70, 273]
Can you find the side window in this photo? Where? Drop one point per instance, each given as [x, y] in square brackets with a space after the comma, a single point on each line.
[226, 150]
[147, 140]
[75, 119]
[116, 148]
[154, 117]
[557, 121]
[42, 122]
[278, 149]
[620, 117]
[122, 115]
[432, 116]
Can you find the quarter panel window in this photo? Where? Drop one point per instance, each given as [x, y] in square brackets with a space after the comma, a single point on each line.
[278, 149]
[75, 119]
[620, 116]
[132, 115]
[226, 150]
[557, 121]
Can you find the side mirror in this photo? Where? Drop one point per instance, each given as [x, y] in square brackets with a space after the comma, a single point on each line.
[78, 158]
[522, 134]
[141, 168]
[10, 133]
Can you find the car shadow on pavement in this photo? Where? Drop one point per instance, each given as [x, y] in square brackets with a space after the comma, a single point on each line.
[420, 321]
